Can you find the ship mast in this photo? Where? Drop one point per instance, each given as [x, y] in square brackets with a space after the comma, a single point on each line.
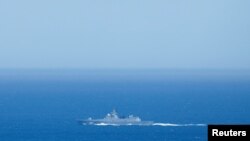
[114, 114]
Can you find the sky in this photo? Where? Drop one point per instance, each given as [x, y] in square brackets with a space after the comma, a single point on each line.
[125, 34]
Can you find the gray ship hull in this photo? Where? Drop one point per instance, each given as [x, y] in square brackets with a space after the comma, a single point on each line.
[119, 122]
[113, 119]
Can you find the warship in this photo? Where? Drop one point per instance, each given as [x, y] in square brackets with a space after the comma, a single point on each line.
[113, 119]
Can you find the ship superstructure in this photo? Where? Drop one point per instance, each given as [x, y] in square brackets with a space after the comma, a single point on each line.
[113, 119]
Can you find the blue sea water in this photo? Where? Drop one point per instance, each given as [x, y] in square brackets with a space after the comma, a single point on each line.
[46, 106]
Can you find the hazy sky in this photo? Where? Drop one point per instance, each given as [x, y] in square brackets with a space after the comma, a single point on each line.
[128, 34]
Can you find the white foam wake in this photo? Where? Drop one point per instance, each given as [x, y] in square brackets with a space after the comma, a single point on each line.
[106, 124]
[153, 124]
[172, 124]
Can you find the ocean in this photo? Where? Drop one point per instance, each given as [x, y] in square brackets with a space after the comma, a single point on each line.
[45, 106]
